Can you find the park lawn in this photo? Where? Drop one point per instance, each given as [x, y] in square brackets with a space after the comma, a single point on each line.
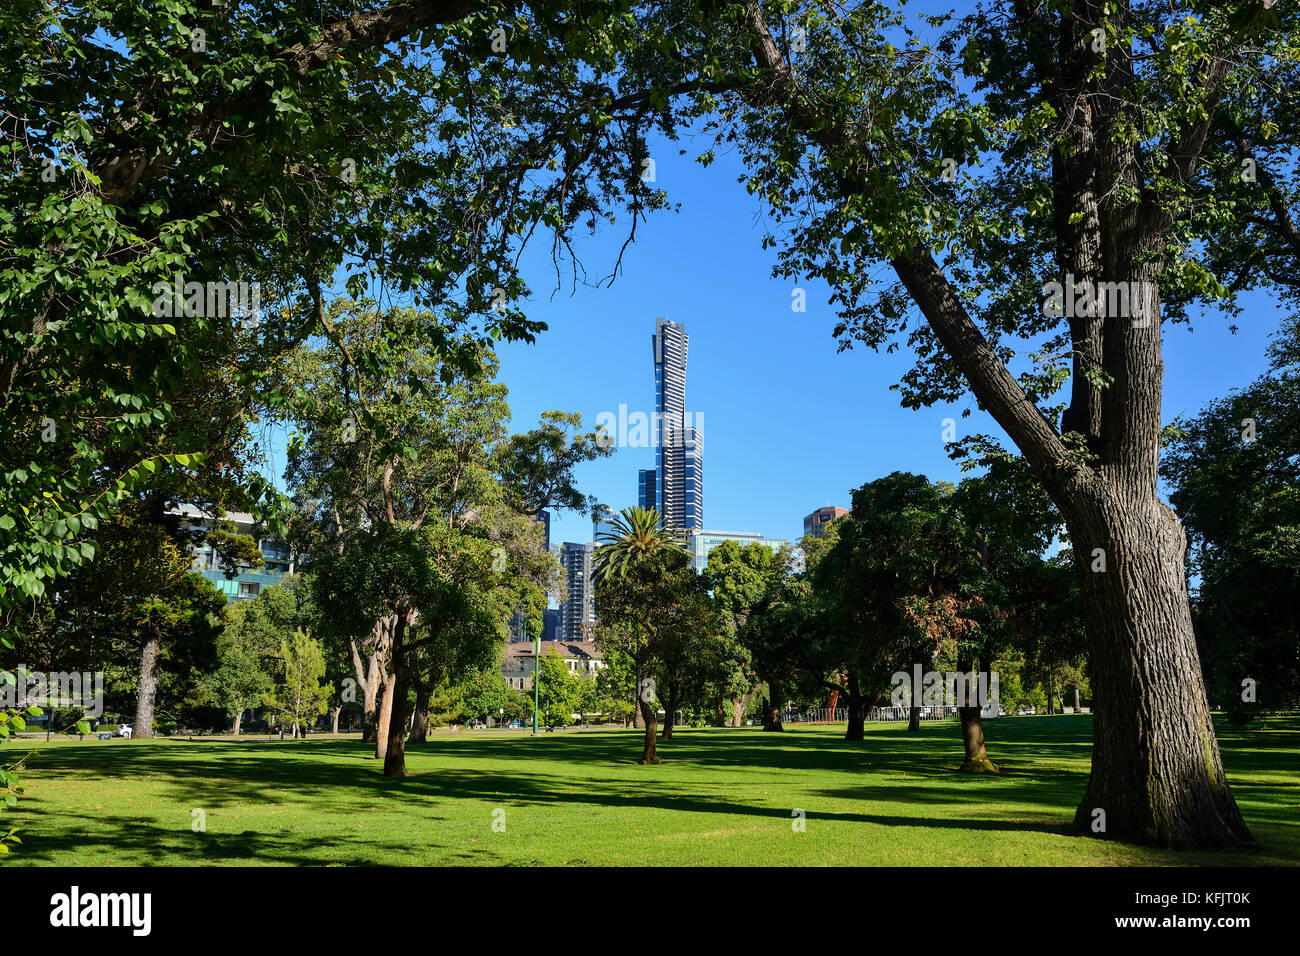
[721, 797]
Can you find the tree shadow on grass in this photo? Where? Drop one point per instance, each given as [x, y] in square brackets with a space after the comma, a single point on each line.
[334, 780]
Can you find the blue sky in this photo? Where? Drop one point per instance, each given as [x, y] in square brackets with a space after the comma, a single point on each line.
[789, 424]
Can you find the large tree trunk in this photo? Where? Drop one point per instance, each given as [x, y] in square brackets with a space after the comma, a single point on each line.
[239, 719]
[670, 711]
[650, 719]
[914, 718]
[972, 723]
[334, 719]
[387, 695]
[395, 754]
[741, 704]
[859, 705]
[1157, 776]
[399, 711]
[775, 704]
[146, 690]
[420, 728]
[371, 674]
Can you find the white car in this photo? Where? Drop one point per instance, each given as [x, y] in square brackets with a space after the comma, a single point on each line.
[124, 730]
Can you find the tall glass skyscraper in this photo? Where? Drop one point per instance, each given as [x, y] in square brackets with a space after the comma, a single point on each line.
[578, 612]
[679, 449]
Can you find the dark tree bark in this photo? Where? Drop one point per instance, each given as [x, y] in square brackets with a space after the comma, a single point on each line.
[670, 711]
[914, 718]
[650, 718]
[775, 704]
[972, 723]
[859, 706]
[146, 691]
[1156, 773]
[420, 728]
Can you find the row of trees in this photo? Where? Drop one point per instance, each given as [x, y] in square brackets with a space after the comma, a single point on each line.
[918, 573]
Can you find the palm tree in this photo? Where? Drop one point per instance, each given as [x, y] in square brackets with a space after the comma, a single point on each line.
[637, 534]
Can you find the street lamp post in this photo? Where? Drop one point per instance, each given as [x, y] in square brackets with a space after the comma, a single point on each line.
[537, 676]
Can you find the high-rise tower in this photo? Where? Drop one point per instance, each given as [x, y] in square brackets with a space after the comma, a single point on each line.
[679, 450]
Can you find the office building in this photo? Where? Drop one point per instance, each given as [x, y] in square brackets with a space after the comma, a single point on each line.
[815, 522]
[578, 611]
[551, 624]
[700, 543]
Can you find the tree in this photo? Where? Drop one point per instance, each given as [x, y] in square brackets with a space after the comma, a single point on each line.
[634, 534]
[862, 641]
[991, 162]
[394, 481]
[486, 694]
[745, 580]
[299, 693]
[139, 603]
[536, 467]
[131, 172]
[647, 600]
[560, 691]
[240, 680]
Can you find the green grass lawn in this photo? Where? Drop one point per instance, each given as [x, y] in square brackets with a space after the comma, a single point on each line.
[719, 797]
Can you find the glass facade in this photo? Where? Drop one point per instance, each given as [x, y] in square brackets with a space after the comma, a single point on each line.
[700, 543]
[578, 612]
[679, 463]
[277, 558]
[647, 488]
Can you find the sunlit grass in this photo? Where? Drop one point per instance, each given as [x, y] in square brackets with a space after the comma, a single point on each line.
[720, 797]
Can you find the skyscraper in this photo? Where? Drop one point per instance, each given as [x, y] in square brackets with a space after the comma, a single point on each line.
[602, 522]
[579, 608]
[679, 449]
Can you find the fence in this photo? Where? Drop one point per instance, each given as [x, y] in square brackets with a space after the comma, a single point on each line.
[841, 715]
